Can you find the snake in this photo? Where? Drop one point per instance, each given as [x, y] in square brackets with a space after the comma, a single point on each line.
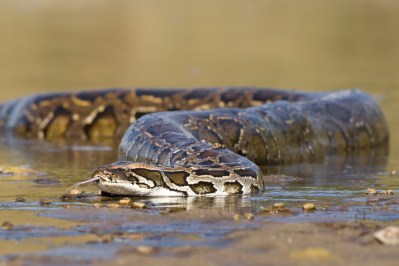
[201, 141]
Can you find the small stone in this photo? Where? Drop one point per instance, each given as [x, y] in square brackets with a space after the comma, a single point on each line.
[44, 202]
[371, 192]
[7, 225]
[67, 197]
[249, 216]
[236, 217]
[20, 199]
[75, 192]
[217, 146]
[389, 192]
[138, 205]
[98, 205]
[394, 172]
[106, 238]
[388, 235]
[125, 201]
[145, 250]
[309, 206]
[278, 205]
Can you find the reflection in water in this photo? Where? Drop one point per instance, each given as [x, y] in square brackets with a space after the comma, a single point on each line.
[335, 168]
[72, 162]
[66, 154]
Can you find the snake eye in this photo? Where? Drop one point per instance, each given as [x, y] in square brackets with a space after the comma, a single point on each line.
[142, 185]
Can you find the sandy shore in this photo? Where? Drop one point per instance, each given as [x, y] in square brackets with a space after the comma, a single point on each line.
[162, 240]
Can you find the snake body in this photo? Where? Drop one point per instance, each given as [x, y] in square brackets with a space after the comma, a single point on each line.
[205, 141]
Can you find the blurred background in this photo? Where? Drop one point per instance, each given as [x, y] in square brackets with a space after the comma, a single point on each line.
[51, 45]
[312, 45]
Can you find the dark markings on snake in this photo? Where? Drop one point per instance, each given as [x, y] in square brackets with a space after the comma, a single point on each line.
[197, 94]
[209, 164]
[233, 187]
[254, 189]
[178, 178]
[246, 172]
[227, 159]
[215, 173]
[90, 95]
[208, 154]
[203, 187]
[161, 93]
[152, 175]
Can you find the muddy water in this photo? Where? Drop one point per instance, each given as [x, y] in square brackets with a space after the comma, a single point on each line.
[307, 45]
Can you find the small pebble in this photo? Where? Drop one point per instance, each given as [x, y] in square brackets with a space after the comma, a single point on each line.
[98, 205]
[125, 201]
[20, 199]
[249, 216]
[44, 202]
[145, 249]
[217, 146]
[138, 205]
[67, 197]
[75, 192]
[106, 238]
[388, 235]
[371, 192]
[236, 217]
[278, 205]
[7, 225]
[389, 192]
[309, 206]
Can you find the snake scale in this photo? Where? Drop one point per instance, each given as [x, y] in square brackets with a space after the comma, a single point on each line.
[201, 141]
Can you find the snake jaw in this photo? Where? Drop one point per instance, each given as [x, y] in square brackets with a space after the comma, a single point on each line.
[131, 179]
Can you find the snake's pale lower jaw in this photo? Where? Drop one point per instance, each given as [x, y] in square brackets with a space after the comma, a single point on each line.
[125, 188]
[129, 186]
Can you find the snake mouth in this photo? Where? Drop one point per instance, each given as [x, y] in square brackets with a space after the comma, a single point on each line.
[115, 182]
[101, 177]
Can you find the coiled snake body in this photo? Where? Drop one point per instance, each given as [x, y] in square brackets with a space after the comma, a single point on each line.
[205, 151]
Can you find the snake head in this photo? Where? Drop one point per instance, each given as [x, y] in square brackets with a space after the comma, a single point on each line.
[132, 179]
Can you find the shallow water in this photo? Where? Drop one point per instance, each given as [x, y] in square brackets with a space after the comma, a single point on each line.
[312, 45]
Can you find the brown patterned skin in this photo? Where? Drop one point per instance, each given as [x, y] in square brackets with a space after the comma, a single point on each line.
[210, 152]
[106, 113]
